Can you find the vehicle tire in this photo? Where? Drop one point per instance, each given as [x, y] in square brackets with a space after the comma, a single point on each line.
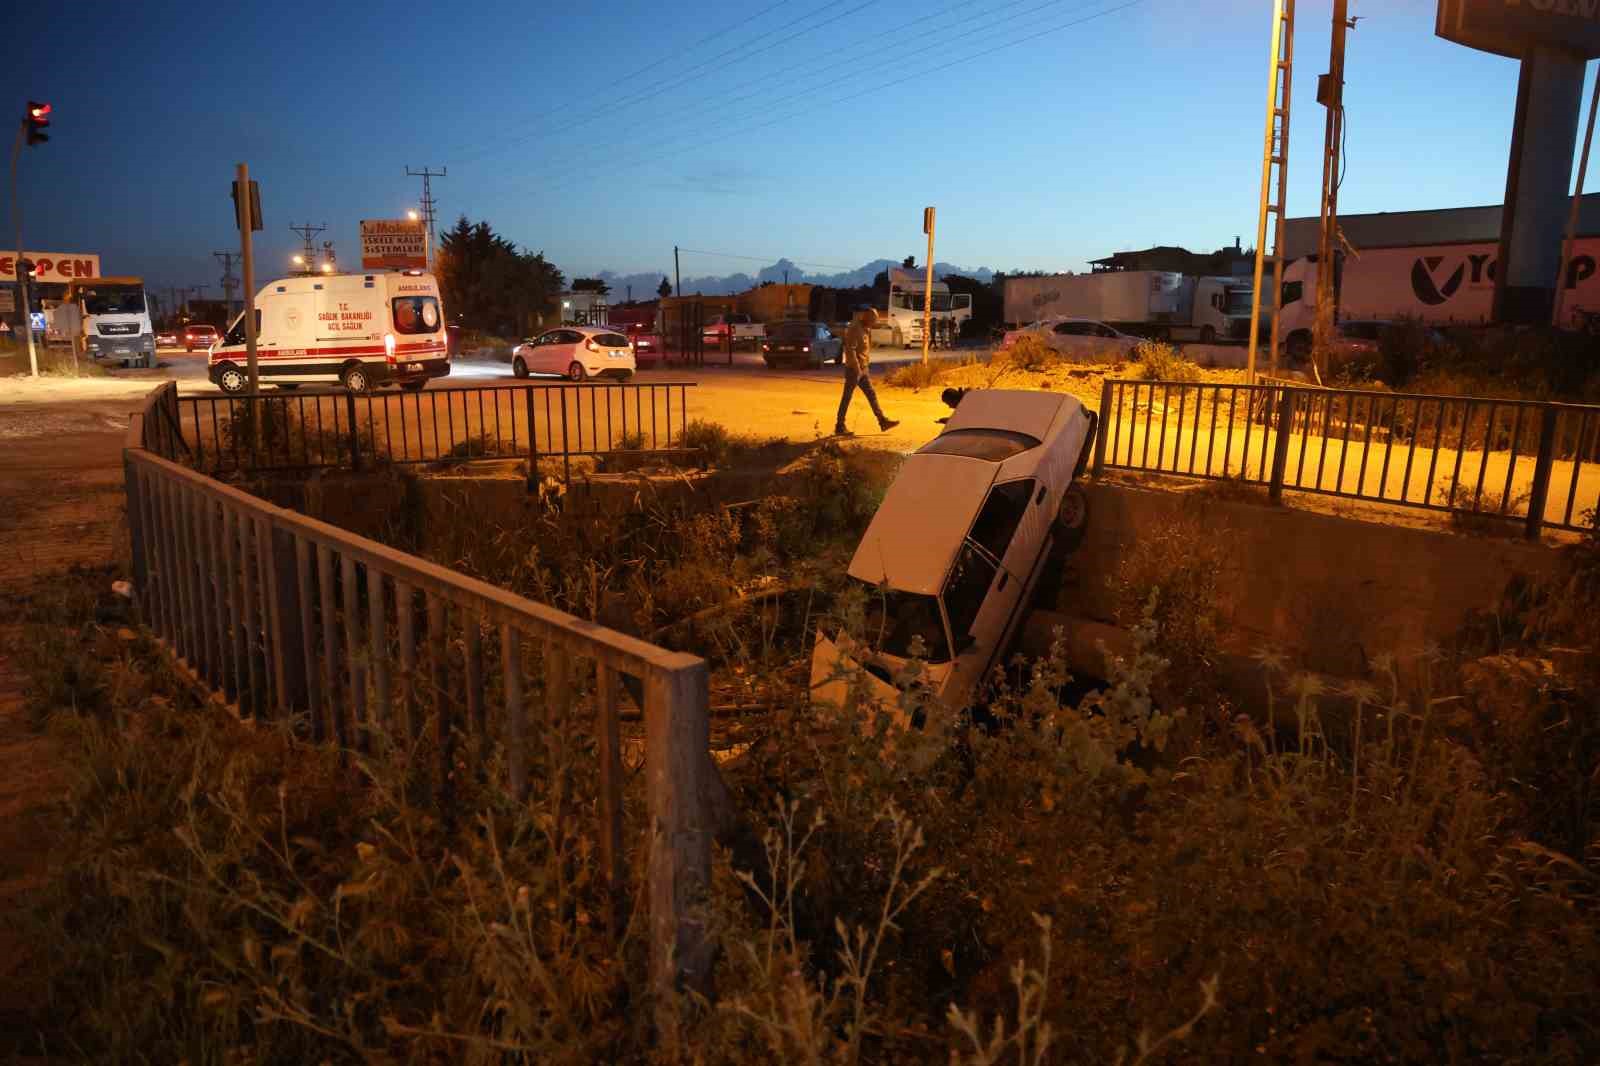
[1073, 517]
[628, 376]
[816, 363]
[519, 369]
[413, 386]
[772, 364]
[356, 378]
[1299, 346]
[231, 379]
[576, 372]
[288, 386]
[1208, 335]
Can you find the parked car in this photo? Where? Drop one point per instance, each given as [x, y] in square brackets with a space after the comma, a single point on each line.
[166, 338]
[744, 329]
[949, 563]
[1361, 339]
[1081, 338]
[802, 344]
[199, 335]
[577, 353]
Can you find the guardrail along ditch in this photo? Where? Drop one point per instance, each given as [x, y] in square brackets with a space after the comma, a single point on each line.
[1525, 460]
[281, 614]
[322, 429]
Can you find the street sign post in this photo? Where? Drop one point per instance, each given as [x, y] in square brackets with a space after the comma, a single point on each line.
[247, 211]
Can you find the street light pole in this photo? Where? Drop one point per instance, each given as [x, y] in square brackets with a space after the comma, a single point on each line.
[927, 291]
[22, 255]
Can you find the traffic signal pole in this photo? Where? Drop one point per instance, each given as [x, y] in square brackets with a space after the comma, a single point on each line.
[22, 256]
[247, 224]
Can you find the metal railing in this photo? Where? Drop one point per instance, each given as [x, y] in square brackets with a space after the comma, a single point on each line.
[282, 614]
[305, 429]
[1518, 459]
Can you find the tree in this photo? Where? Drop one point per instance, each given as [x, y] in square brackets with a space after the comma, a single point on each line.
[489, 285]
[590, 285]
[909, 262]
[665, 288]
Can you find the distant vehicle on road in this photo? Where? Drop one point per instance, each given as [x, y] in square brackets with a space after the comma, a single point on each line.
[950, 561]
[166, 338]
[1160, 304]
[743, 328]
[1080, 338]
[576, 353]
[115, 319]
[802, 344]
[907, 290]
[361, 330]
[199, 335]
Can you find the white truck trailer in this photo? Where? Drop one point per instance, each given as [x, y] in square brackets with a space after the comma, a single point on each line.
[1161, 304]
[1440, 284]
[907, 290]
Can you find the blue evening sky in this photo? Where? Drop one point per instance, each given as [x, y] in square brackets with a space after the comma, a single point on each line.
[605, 134]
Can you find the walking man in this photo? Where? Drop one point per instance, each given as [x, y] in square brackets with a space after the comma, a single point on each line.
[857, 365]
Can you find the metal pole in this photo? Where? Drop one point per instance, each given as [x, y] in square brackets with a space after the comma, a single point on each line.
[1572, 216]
[1333, 128]
[246, 225]
[677, 274]
[22, 275]
[927, 290]
[1266, 188]
[1286, 67]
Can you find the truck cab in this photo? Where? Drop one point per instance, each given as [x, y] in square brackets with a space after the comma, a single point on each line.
[114, 319]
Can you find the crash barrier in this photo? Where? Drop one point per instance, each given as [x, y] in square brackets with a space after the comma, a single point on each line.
[316, 429]
[283, 615]
[1534, 462]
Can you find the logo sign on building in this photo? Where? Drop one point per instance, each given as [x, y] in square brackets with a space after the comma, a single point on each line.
[397, 243]
[58, 267]
[8, 301]
[1511, 27]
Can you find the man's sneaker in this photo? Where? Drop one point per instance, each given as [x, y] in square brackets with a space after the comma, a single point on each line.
[887, 424]
[842, 432]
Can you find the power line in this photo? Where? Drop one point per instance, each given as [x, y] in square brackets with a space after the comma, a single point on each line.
[427, 174]
[899, 57]
[617, 165]
[308, 233]
[500, 146]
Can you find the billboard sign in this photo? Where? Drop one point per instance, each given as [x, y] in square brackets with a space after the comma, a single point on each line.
[1511, 27]
[59, 267]
[396, 243]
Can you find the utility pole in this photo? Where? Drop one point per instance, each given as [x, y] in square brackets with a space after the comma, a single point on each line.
[927, 292]
[1330, 94]
[677, 274]
[229, 282]
[427, 174]
[31, 127]
[245, 199]
[1274, 158]
[307, 233]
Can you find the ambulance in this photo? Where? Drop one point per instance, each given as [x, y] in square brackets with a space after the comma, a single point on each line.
[361, 330]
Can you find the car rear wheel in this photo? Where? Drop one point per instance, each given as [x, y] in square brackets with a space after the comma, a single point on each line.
[576, 372]
[772, 364]
[1208, 335]
[519, 368]
[355, 379]
[1073, 517]
[412, 386]
[232, 380]
[288, 386]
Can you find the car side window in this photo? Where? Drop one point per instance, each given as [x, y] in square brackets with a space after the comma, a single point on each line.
[1104, 331]
[965, 589]
[1000, 515]
[1066, 328]
[568, 336]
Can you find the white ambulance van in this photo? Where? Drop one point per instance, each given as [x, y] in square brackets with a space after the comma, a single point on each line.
[361, 330]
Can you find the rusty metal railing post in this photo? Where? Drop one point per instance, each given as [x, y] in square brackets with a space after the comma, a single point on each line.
[1280, 452]
[1540, 492]
[1102, 426]
[355, 437]
[533, 441]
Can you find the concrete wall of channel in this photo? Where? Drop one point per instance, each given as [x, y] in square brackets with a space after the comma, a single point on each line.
[1331, 593]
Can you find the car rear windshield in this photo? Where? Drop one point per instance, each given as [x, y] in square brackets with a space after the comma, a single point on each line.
[416, 314]
[895, 620]
[797, 331]
[611, 340]
[993, 445]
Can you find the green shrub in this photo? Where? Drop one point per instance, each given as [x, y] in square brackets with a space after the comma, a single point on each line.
[1030, 352]
[711, 439]
[1162, 362]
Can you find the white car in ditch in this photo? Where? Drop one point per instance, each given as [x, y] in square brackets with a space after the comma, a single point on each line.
[949, 563]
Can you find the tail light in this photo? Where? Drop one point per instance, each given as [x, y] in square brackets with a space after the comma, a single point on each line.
[807, 348]
[766, 347]
[388, 348]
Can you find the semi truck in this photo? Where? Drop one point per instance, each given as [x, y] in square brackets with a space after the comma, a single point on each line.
[1440, 284]
[1160, 304]
[112, 318]
[907, 291]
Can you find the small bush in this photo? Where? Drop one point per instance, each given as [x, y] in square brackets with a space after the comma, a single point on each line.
[1163, 362]
[711, 439]
[1030, 352]
[920, 375]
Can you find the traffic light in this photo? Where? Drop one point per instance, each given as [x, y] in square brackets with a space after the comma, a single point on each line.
[37, 119]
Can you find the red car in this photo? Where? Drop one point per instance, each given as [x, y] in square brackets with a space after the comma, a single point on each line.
[200, 336]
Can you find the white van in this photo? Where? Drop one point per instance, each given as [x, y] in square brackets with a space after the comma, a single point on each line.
[361, 330]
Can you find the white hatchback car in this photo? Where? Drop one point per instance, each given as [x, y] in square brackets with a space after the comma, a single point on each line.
[576, 353]
[1081, 338]
[951, 559]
